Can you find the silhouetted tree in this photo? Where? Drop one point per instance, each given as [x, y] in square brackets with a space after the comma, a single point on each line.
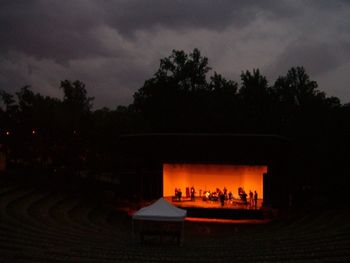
[223, 105]
[75, 96]
[299, 102]
[187, 71]
[296, 89]
[7, 99]
[255, 102]
[76, 107]
[167, 100]
[10, 111]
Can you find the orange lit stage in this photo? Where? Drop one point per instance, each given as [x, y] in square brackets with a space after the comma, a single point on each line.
[200, 203]
[232, 209]
[214, 179]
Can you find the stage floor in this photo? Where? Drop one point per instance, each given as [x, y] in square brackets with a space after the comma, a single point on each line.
[200, 203]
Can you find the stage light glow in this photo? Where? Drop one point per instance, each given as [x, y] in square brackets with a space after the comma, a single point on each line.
[209, 177]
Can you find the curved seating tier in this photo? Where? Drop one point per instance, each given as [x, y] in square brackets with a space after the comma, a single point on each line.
[37, 225]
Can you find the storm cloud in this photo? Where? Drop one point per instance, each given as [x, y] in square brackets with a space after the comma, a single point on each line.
[114, 46]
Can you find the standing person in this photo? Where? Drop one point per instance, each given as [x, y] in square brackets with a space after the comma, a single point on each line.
[179, 193]
[240, 191]
[251, 198]
[187, 192]
[192, 193]
[230, 196]
[176, 194]
[255, 199]
[222, 198]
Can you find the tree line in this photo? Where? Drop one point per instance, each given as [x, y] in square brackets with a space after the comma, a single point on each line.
[183, 96]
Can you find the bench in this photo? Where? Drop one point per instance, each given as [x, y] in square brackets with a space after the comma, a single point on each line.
[165, 231]
[174, 235]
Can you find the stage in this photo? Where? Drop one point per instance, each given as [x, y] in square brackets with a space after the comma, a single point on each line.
[232, 209]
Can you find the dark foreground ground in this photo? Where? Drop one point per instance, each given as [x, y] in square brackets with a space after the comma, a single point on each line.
[38, 224]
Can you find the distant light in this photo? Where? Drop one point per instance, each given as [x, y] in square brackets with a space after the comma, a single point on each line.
[33, 132]
[7, 133]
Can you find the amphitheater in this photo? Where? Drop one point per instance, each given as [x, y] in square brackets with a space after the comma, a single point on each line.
[41, 225]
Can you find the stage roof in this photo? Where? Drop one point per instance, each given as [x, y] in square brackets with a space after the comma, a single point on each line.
[199, 147]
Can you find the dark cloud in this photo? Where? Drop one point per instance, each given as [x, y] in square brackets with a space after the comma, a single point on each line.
[140, 15]
[113, 46]
[49, 29]
[64, 30]
[320, 58]
[132, 15]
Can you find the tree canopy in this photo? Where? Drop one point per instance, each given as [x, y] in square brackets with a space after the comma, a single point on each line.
[183, 95]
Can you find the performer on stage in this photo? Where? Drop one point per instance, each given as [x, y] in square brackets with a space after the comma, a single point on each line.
[255, 199]
[192, 194]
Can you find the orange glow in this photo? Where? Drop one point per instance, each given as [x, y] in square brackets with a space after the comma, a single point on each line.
[227, 221]
[209, 177]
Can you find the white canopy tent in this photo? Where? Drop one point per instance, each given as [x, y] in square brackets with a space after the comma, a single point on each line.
[160, 211]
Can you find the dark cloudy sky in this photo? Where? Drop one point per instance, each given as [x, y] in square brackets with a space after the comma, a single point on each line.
[114, 46]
